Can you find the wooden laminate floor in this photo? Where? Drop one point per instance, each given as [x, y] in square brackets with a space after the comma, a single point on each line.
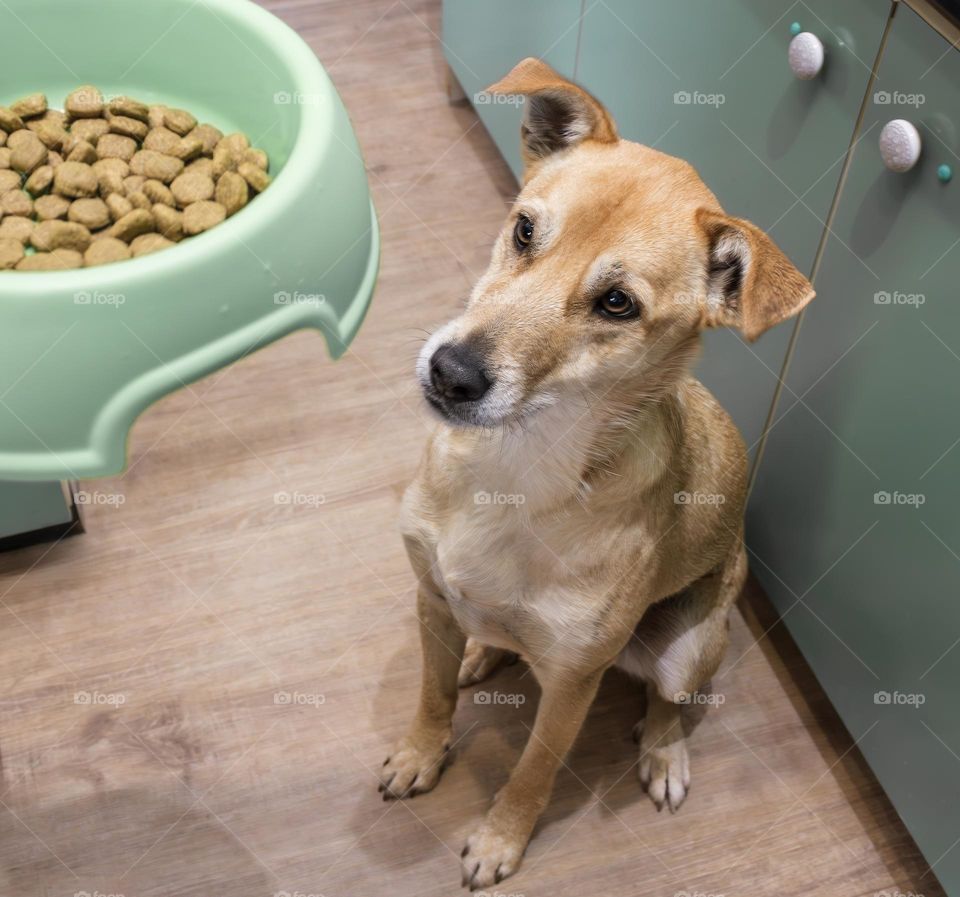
[197, 692]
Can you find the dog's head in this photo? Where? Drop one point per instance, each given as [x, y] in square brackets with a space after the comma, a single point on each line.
[613, 260]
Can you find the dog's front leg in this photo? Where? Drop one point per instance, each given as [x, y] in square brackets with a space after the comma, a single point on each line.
[493, 851]
[415, 764]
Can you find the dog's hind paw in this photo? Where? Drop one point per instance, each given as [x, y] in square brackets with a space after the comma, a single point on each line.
[481, 661]
[412, 769]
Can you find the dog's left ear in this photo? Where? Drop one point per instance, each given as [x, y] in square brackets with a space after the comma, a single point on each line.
[751, 284]
[559, 114]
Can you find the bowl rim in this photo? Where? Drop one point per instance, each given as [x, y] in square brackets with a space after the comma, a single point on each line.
[315, 131]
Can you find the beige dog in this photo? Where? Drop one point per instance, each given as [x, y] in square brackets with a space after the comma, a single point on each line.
[581, 503]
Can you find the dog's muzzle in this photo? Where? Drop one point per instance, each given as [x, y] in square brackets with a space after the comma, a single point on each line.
[457, 375]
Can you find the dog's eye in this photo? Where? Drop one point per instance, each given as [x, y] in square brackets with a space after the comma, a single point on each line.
[523, 232]
[617, 304]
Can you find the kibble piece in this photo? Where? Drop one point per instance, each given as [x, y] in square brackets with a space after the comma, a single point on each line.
[9, 180]
[11, 251]
[179, 121]
[16, 202]
[84, 102]
[118, 206]
[156, 165]
[257, 157]
[110, 174]
[54, 159]
[15, 228]
[20, 138]
[90, 129]
[139, 200]
[156, 115]
[51, 135]
[50, 207]
[130, 108]
[133, 183]
[30, 106]
[82, 152]
[105, 251]
[202, 165]
[128, 127]
[191, 188]
[28, 153]
[137, 222]
[9, 120]
[5, 153]
[93, 214]
[232, 192]
[169, 222]
[188, 148]
[50, 235]
[209, 137]
[3, 138]
[60, 260]
[75, 179]
[147, 243]
[201, 216]
[116, 146]
[256, 178]
[224, 159]
[161, 140]
[158, 192]
[39, 182]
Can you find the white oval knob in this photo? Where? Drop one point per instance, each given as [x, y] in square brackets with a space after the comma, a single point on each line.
[806, 55]
[900, 145]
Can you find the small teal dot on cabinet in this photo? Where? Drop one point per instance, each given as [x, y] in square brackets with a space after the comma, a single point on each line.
[944, 173]
[795, 29]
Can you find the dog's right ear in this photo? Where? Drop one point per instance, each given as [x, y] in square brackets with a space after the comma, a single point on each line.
[559, 114]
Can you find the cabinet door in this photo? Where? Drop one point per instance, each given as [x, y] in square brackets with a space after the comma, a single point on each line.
[483, 41]
[710, 82]
[854, 523]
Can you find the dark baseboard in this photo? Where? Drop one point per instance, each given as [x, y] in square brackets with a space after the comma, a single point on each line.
[45, 534]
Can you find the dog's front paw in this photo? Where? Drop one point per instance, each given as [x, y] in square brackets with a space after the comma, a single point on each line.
[665, 773]
[413, 767]
[489, 857]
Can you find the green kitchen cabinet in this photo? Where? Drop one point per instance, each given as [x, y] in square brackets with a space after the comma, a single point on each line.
[711, 83]
[853, 524]
[482, 41]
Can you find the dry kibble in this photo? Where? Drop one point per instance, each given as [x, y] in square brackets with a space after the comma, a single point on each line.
[257, 157]
[84, 102]
[156, 165]
[161, 140]
[224, 159]
[128, 127]
[20, 138]
[83, 152]
[116, 146]
[51, 135]
[13, 227]
[39, 182]
[9, 180]
[50, 235]
[209, 137]
[75, 180]
[54, 159]
[202, 216]
[158, 192]
[187, 148]
[179, 121]
[147, 243]
[28, 153]
[133, 183]
[191, 188]
[5, 153]
[11, 251]
[137, 222]
[105, 251]
[9, 120]
[16, 202]
[51, 207]
[139, 200]
[93, 214]
[118, 206]
[169, 222]
[30, 106]
[232, 192]
[156, 115]
[254, 176]
[60, 260]
[130, 108]
[90, 129]
[202, 165]
[3, 138]
[109, 183]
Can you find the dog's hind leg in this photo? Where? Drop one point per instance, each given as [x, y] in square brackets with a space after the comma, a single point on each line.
[676, 649]
[481, 661]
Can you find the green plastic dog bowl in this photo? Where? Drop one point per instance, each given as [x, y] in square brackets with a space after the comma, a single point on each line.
[83, 352]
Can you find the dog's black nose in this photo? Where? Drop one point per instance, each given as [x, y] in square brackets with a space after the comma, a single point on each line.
[456, 372]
